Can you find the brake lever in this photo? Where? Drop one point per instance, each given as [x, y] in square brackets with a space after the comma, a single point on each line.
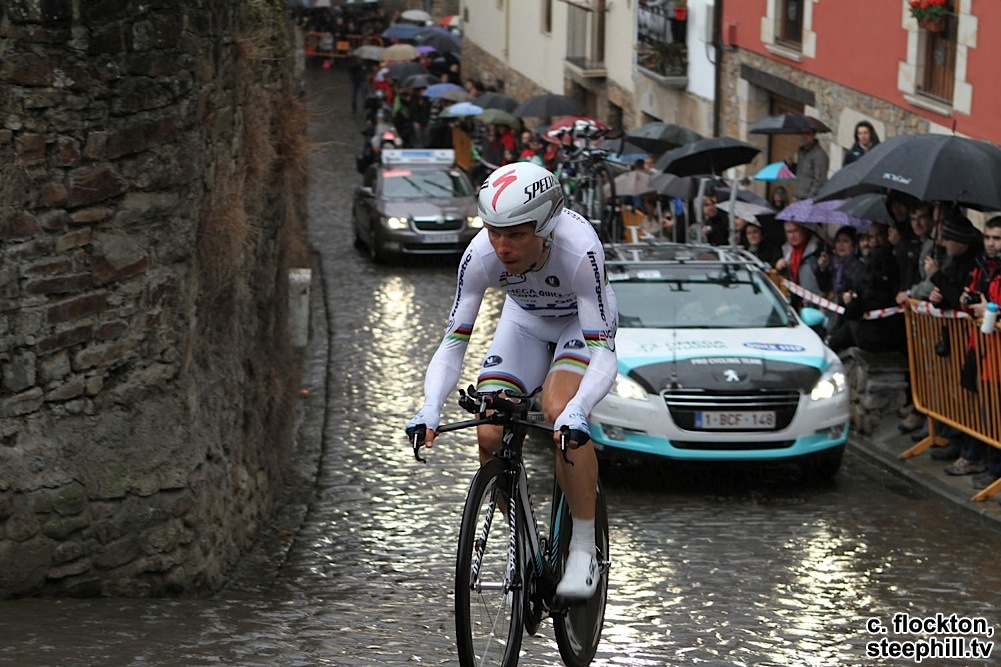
[565, 443]
[417, 441]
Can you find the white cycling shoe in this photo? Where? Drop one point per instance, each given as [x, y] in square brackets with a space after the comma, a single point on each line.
[580, 576]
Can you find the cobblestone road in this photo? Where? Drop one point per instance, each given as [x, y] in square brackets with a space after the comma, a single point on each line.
[709, 568]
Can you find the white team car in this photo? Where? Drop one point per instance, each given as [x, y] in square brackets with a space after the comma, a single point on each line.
[715, 365]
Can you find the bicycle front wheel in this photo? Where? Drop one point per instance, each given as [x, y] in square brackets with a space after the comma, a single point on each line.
[578, 629]
[489, 594]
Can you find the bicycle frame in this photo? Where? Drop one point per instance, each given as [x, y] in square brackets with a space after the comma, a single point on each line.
[542, 554]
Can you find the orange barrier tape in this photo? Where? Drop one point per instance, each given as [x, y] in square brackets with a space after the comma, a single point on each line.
[948, 352]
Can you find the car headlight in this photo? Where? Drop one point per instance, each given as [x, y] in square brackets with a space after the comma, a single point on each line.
[396, 223]
[831, 383]
[626, 388]
[474, 221]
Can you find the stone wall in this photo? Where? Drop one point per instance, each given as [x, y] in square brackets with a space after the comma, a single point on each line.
[152, 166]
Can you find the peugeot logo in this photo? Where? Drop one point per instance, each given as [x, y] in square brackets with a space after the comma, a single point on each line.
[730, 375]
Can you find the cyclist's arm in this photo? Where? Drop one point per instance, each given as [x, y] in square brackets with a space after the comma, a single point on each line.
[446, 364]
[599, 321]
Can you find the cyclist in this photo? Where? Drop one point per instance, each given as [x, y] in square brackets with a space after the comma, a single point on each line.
[549, 262]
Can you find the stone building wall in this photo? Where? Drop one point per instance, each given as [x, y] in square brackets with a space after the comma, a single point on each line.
[151, 203]
[739, 109]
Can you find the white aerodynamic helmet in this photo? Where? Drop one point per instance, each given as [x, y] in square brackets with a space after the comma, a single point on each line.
[518, 193]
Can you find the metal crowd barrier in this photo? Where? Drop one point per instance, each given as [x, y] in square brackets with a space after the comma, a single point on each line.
[940, 345]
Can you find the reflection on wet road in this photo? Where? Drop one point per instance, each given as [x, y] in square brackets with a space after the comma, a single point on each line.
[710, 566]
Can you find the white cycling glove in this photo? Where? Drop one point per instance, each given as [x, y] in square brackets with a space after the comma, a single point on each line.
[574, 417]
[427, 415]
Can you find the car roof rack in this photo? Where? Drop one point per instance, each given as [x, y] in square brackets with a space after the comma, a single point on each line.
[679, 253]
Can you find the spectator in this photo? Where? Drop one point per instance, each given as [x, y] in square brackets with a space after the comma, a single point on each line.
[359, 82]
[715, 223]
[800, 257]
[962, 247]
[874, 289]
[811, 167]
[780, 198]
[843, 269]
[984, 288]
[535, 152]
[420, 114]
[474, 87]
[760, 245]
[402, 120]
[917, 285]
[654, 223]
[864, 242]
[865, 139]
[961, 241]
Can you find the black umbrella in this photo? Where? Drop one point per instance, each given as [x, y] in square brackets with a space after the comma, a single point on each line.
[622, 147]
[419, 81]
[788, 123]
[496, 101]
[660, 137]
[442, 40]
[746, 196]
[548, 105]
[682, 187]
[707, 156]
[400, 71]
[870, 206]
[930, 167]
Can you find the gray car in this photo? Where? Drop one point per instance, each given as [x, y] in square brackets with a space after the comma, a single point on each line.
[414, 202]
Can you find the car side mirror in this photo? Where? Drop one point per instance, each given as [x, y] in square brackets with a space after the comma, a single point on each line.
[366, 191]
[813, 317]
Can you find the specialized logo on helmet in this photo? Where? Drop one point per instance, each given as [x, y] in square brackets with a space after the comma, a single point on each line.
[501, 184]
[540, 186]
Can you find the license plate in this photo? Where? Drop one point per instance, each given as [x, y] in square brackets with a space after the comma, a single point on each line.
[440, 238]
[737, 421]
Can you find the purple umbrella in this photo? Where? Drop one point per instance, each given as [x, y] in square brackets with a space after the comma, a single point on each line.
[817, 214]
[825, 212]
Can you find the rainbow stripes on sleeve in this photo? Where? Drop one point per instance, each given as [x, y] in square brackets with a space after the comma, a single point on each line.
[461, 333]
[595, 339]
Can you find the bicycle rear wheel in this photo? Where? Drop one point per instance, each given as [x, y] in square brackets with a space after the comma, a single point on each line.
[489, 594]
[578, 629]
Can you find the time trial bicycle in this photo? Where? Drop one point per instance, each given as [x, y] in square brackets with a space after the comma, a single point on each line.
[506, 571]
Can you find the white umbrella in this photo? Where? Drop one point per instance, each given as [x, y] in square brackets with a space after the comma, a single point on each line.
[745, 210]
[416, 15]
[631, 183]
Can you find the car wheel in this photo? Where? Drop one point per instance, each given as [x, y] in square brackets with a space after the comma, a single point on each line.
[824, 465]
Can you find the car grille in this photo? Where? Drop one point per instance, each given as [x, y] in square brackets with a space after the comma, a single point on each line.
[438, 225]
[683, 404]
[731, 446]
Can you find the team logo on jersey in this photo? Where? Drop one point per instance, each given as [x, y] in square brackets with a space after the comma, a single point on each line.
[574, 344]
[553, 281]
[492, 360]
[511, 278]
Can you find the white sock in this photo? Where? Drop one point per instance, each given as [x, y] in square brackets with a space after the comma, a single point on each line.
[582, 538]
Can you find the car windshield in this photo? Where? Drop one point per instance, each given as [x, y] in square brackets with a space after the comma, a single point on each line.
[694, 297]
[404, 183]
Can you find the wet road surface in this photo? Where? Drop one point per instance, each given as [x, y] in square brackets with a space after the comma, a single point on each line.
[710, 566]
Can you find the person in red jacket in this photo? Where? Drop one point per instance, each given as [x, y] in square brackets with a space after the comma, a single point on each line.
[984, 288]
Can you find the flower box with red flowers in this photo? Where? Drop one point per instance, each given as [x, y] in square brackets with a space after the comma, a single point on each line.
[930, 14]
